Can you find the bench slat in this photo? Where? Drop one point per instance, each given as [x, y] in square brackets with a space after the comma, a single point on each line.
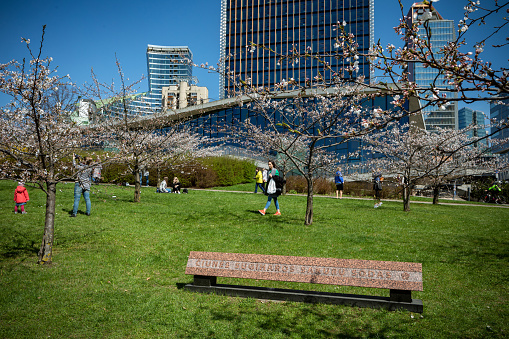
[362, 273]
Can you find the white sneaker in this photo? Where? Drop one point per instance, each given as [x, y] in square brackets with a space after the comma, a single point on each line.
[380, 204]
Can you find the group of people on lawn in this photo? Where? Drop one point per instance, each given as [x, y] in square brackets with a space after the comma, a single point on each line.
[173, 188]
[263, 180]
[88, 173]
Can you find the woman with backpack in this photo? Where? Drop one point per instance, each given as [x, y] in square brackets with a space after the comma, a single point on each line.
[272, 192]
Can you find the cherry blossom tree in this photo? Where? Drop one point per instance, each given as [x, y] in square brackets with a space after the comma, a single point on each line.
[327, 110]
[37, 137]
[304, 126]
[142, 136]
[398, 151]
[461, 66]
[414, 153]
[452, 154]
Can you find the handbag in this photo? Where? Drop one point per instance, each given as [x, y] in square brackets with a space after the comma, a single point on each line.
[271, 189]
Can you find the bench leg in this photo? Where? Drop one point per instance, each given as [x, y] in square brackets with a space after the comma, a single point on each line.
[202, 280]
[401, 296]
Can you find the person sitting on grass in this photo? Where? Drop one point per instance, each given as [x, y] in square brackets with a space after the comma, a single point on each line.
[163, 188]
[176, 185]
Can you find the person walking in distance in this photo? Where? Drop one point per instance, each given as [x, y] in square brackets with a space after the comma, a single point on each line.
[339, 181]
[259, 180]
[377, 186]
[272, 192]
[264, 177]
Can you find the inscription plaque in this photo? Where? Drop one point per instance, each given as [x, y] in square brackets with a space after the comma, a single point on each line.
[363, 273]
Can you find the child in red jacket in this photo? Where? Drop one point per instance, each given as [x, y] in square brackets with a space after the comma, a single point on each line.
[20, 197]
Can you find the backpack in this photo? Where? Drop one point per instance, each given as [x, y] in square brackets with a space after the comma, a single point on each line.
[280, 180]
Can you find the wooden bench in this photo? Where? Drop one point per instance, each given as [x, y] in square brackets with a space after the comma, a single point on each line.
[401, 278]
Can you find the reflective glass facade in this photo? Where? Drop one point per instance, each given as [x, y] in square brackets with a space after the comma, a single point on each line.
[166, 66]
[440, 32]
[499, 111]
[467, 117]
[213, 126]
[285, 24]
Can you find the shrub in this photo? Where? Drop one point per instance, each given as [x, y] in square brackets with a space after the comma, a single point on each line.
[202, 173]
[298, 184]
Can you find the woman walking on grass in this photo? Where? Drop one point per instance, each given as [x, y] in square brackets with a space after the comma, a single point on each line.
[272, 173]
[377, 186]
[259, 180]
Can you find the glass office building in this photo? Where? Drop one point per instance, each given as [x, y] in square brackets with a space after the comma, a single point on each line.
[499, 111]
[440, 32]
[166, 66]
[282, 25]
[468, 117]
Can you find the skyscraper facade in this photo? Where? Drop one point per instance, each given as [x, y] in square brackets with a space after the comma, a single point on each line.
[439, 32]
[283, 25]
[499, 111]
[166, 66]
[468, 117]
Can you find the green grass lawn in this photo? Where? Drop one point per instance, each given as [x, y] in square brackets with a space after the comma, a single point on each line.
[119, 273]
[250, 188]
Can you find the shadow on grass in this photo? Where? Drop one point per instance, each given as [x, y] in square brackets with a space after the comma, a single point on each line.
[69, 211]
[302, 320]
[20, 244]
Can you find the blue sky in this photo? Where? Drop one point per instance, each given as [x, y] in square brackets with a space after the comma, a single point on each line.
[84, 35]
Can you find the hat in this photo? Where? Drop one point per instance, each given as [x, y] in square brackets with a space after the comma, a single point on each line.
[20, 183]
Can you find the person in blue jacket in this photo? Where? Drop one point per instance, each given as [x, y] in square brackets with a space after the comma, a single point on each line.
[339, 181]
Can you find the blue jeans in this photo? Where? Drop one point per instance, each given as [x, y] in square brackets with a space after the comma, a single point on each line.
[78, 191]
[268, 203]
[141, 180]
[261, 186]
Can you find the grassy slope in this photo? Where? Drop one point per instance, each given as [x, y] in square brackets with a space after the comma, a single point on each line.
[119, 273]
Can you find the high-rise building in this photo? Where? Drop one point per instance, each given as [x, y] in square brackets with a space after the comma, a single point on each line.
[183, 95]
[166, 66]
[468, 117]
[499, 111]
[440, 32]
[283, 25]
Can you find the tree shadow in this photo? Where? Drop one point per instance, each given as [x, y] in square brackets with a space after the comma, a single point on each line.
[303, 320]
[20, 244]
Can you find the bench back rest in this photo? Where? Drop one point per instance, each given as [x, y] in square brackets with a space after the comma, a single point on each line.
[348, 272]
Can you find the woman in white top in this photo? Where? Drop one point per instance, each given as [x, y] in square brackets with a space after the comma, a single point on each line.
[163, 187]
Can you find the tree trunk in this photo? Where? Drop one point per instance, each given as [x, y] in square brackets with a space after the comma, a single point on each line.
[436, 192]
[46, 250]
[158, 176]
[309, 207]
[137, 183]
[137, 188]
[406, 198]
